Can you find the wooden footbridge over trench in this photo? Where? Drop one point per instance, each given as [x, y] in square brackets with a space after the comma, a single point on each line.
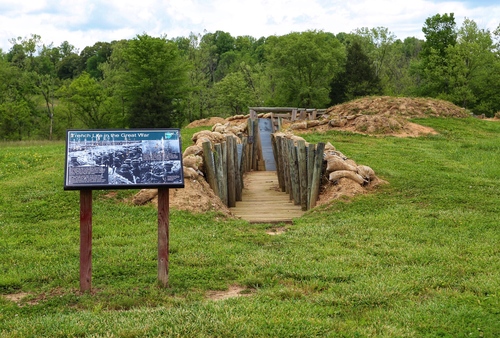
[265, 179]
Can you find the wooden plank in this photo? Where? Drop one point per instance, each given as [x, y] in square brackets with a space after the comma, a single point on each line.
[317, 172]
[163, 233]
[302, 167]
[294, 166]
[231, 172]
[258, 158]
[270, 109]
[208, 162]
[286, 165]
[219, 172]
[263, 201]
[237, 178]
[251, 144]
[277, 155]
[243, 163]
[311, 148]
[85, 240]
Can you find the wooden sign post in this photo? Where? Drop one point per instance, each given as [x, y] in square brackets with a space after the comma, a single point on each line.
[85, 240]
[163, 224]
[123, 159]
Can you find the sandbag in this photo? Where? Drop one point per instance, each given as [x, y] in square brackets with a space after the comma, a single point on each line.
[192, 150]
[192, 161]
[336, 175]
[366, 172]
[189, 173]
[334, 163]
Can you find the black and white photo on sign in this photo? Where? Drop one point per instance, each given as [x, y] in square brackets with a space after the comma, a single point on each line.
[103, 160]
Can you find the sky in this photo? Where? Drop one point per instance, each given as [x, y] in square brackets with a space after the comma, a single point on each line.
[84, 22]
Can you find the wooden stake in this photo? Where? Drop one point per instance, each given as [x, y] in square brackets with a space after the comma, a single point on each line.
[85, 240]
[163, 223]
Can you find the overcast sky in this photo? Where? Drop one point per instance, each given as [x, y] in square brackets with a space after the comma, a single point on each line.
[85, 22]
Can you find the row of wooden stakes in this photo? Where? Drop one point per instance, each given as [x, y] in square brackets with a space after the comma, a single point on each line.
[299, 167]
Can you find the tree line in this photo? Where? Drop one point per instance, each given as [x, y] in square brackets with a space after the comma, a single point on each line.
[156, 82]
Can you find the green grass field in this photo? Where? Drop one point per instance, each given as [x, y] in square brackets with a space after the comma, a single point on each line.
[419, 257]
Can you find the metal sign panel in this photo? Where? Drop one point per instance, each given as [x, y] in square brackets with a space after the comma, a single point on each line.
[123, 159]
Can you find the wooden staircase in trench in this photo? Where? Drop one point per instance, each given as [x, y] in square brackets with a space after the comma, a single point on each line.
[264, 202]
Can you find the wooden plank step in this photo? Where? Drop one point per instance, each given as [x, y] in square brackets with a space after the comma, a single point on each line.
[263, 201]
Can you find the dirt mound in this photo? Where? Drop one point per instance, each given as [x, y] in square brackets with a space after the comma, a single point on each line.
[196, 197]
[409, 107]
[345, 188]
[208, 122]
[383, 115]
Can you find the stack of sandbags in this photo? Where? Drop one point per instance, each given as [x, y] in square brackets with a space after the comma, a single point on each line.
[291, 136]
[193, 155]
[238, 117]
[228, 128]
[206, 135]
[192, 166]
[305, 124]
[339, 166]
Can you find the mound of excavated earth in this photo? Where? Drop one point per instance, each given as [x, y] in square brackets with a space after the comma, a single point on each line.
[382, 115]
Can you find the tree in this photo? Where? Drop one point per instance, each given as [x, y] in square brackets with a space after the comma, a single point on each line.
[235, 93]
[473, 68]
[17, 103]
[358, 79]
[440, 34]
[92, 57]
[214, 46]
[89, 102]
[200, 98]
[300, 67]
[155, 83]
[377, 43]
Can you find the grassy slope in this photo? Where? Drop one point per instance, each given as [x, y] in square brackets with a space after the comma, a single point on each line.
[420, 257]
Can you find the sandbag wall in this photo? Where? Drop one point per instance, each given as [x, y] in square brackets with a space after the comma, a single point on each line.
[299, 167]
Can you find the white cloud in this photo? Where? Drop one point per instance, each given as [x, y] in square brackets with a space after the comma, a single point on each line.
[83, 23]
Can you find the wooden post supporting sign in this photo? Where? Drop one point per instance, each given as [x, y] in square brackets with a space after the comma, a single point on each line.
[85, 240]
[163, 224]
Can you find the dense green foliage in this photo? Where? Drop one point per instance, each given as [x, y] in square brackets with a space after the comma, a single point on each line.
[158, 82]
[418, 257]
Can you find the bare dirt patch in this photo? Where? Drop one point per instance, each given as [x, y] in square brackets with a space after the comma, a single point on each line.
[196, 197]
[276, 231]
[232, 292]
[16, 297]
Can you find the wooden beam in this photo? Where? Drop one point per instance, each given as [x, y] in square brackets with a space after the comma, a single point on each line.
[317, 172]
[303, 174]
[85, 240]
[163, 225]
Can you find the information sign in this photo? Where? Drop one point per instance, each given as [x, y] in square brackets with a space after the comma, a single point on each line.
[123, 159]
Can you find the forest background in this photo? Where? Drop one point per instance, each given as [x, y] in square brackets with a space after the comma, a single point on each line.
[156, 82]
